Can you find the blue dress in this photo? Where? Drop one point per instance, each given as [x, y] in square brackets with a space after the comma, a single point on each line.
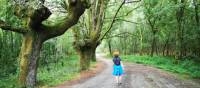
[117, 70]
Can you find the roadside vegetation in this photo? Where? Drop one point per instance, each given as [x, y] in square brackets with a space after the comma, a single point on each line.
[188, 68]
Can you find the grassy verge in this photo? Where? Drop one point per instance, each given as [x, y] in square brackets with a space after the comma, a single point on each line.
[187, 68]
[9, 82]
[62, 72]
[54, 74]
[51, 75]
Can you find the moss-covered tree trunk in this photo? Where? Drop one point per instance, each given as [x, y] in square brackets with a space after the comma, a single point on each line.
[85, 58]
[87, 53]
[93, 53]
[87, 40]
[28, 59]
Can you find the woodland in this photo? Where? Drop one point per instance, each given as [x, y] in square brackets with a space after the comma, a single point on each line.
[41, 40]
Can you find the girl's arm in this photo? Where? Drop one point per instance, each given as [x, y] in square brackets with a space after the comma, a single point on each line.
[122, 65]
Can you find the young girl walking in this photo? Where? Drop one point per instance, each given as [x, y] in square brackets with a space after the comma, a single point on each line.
[117, 67]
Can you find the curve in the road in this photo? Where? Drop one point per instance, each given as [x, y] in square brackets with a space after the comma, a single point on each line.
[136, 76]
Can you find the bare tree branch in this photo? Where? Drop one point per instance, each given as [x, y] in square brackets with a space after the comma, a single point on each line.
[129, 12]
[113, 21]
[7, 27]
[126, 21]
[75, 9]
[121, 35]
[127, 2]
[133, 1]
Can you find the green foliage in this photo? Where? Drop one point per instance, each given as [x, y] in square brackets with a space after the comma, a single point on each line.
[10, 82]
[7, 13]
[134, 33]
[185, 67]
[55, 49]
[9, 51]
[66, 69]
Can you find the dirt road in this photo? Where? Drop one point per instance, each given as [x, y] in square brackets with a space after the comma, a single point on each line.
[137, 76]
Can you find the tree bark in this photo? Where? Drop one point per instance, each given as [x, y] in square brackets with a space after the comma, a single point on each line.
[196, 9]
[179, 32]
[153, 45]
[141, 41]
[168, 50]
[165, 45]
[85, 57]
[154, 31]
[29, 53]
[196, 12]
[87, 53]
[110, 47]
[93, 53]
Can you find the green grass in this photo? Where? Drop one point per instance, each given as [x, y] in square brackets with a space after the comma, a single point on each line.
[8, 82]
[54, 74]
[185, 68]
[59, 73]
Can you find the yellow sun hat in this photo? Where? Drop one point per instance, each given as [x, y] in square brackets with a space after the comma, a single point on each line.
[116, 53]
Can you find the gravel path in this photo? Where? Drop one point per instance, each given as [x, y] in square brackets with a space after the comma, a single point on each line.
[137, 76]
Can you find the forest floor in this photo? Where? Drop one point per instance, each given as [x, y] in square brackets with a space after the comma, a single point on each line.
[136, 76]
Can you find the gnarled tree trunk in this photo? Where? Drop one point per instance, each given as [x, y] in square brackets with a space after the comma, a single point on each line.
[28, 59]
[93, 52]
[85, 58]
[87, 53]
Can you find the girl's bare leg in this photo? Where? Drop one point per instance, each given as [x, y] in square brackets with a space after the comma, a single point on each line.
[120, 79]
[117, 79]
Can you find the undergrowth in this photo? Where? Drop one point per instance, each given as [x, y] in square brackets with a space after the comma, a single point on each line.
[188, 68]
